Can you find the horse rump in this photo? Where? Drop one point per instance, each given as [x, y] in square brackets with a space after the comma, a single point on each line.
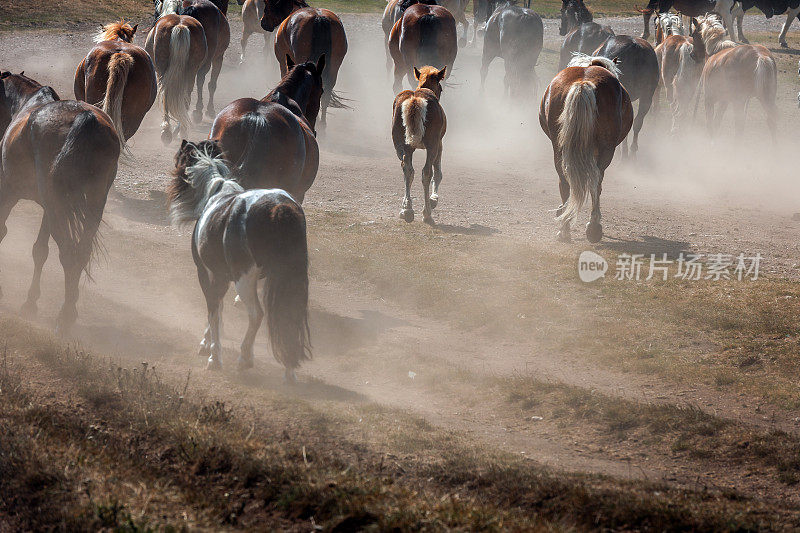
[175, 84]
[429, 28]
[119, 66]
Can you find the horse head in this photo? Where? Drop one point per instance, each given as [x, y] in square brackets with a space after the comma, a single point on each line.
[430, 78]
[303, 83]
[405, 4]
[276, 11]
[573, 14]
[15, 91]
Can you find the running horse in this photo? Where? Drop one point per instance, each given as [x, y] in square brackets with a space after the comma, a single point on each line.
[270, 142]
[177, 46]
[391, 14]
[62, 154]
[681, 61]
[244, 236]
[306, 34]
[516, 34]
[688, 8]
[252, 11]
[424, 35]
[120, 76]
[419, 123]
[212, 17]
[638, 72]
[586, 113]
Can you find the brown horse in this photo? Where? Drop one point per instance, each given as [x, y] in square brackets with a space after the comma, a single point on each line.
[734, 76]
[270, 142]
[243, 237]
[419, 122]
[681, 61]
[252, 11]
[306, 34]
[63, 155]
[391, 14]
[120, 77]
[424, 35]
[177, 45]
[586, 113]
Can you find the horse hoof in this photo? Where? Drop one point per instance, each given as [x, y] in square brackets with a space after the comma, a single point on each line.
[407, 215]
[166, 137]
[462, 42]
[237, 302]
[434, 201]
[244, 364]
[289, 377]
[563, 236]
[211, 113]
[197, 116]
[428, 220]
[783, 44]
[29, 310]
[204, 351]
[214, 365]
[594, 232]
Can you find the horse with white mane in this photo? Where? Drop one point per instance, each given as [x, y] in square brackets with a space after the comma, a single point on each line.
[243, 237]
[586, 113]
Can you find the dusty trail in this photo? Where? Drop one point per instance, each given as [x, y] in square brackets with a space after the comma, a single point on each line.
[499, 180]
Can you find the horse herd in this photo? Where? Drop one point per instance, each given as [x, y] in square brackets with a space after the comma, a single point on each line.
[244, 186]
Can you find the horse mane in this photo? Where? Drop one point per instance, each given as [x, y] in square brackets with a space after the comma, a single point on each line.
[405, 4]
[111, 31]
[713, 33]
[585, 60]
[289, 83]
[191, 186]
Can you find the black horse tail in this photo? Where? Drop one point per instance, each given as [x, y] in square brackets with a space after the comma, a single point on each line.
[322, 44]
[249, 166]
[283, 257]
[429, 27]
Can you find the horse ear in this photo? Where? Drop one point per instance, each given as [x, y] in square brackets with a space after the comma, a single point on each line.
[321, 64]
[442, 73]
[616, 61]
[184, 143]
[135, 26]
[289, 61]
[416, 73]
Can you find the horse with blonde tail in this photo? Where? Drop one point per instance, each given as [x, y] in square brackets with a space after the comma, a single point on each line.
[586, 113]
[119, 77]
[244, 237]
[177, 45]
[419, 122]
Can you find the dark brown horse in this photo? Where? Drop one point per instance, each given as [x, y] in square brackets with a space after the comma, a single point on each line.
[586, 113]
[584, 39]
[306, 34]
[63, 155]
[515, 34]
[243, 237]
[391, 14]
[270, 142]
[424, 35]
[639, 74]
[120, 77]
[419, 123]
[573, 14]
[177, 46]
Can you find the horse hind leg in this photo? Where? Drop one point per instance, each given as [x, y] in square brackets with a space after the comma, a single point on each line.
[214, 291]
[245, 37]
[790, 15]
[437, 176]
[407, 212]
[212, 87]
[201, 80]
[41, 249]
[594, 231]
[427, 175]
[247, 288]
[7, 203]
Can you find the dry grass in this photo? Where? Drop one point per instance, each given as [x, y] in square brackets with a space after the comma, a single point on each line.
[93, 445]
[742, 335]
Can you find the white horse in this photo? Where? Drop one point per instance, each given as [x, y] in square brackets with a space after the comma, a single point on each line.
[167, 7]
[668, 24]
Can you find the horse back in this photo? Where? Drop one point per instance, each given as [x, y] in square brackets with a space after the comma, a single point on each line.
[92, 75]
[637, 62]
[158, 41]
[427, 36]
[309, 33]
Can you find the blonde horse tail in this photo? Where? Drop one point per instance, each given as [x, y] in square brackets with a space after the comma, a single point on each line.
[174, 89]
[576, 139]
[414, 111]
[766, 79]
[119, 66]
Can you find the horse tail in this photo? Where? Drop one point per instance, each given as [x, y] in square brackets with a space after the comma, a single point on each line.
[576, 141]
[766, 79]
[429, 26]
[119, 66]
[285, 297]
[249, 167]
[413, 112]
[174, 81]
[322, 44]
[73, 175]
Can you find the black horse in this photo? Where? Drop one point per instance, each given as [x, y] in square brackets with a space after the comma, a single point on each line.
[573, 14]
[516, 34]
[639, 75]
[584, 39]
